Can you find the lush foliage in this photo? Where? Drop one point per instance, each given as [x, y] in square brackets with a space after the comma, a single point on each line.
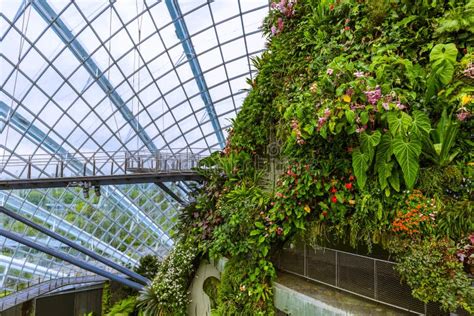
[168, 293]
[236, 290]
[125, 307]
[362, 111]
[105, 298]
[433, 271]
[148, 266]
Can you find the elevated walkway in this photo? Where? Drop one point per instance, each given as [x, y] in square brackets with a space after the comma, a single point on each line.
[95, 169]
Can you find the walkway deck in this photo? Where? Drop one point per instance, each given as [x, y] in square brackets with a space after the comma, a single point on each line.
[95, 169]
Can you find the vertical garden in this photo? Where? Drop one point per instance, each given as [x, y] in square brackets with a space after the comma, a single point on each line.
[367, 105]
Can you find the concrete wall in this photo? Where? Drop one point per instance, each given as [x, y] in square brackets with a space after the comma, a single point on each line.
[200, 303]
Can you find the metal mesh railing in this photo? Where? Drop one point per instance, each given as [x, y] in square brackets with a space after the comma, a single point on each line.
[364, 276]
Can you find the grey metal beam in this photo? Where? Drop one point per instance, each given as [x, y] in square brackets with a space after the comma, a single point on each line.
[74, 261]
[183, 36]
[171, 193]
[73, 245]
[16, 184]
[63, 32]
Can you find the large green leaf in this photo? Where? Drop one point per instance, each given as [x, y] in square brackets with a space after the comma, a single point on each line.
[444, 52]
[384, 149]
[368, 143]
[360, 164]
[398, 123]
[443, 71]
[371, 140]
[384, 170]
[407, 153]
[394, 180]
[421, 123]
[383, 166]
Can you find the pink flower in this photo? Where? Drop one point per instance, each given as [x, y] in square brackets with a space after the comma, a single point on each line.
[327, 113]
[386, 106]
[374, 95]
[321, 122]
[358, 74]
[274, 30]
[280, 24]
[401, 106]
[463, 115]
[330, 71]
[461, 256]
[361, 129]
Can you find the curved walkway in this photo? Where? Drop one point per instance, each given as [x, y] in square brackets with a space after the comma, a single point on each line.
[42, 288]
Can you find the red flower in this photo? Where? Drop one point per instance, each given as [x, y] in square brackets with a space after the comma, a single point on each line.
[351, 178]
[333, 190]
[334, 199]
[347, 28]
[348, 186]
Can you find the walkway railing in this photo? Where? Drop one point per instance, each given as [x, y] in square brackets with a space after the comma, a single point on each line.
[368, 277]
[42, 288]
[99, 163]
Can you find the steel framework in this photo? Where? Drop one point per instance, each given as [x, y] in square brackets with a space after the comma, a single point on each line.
[118, 76]
[75, 246]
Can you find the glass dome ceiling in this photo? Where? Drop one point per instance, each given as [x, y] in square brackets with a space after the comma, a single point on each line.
[80, 78]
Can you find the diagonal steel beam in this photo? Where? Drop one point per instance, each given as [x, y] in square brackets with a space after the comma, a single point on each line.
[59, 27]
[171, 193]
[70, 259]
[75, 246]
[184, 37]
[24, 207]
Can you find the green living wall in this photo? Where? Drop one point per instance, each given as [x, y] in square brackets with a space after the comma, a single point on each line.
[367, 105]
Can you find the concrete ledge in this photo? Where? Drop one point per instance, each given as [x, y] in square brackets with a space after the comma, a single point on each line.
[295, 303]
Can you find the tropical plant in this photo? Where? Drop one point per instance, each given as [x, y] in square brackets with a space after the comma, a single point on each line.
[432, 270]
[125, 307]
[148, 266]
[168, 293]
[440, 148]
